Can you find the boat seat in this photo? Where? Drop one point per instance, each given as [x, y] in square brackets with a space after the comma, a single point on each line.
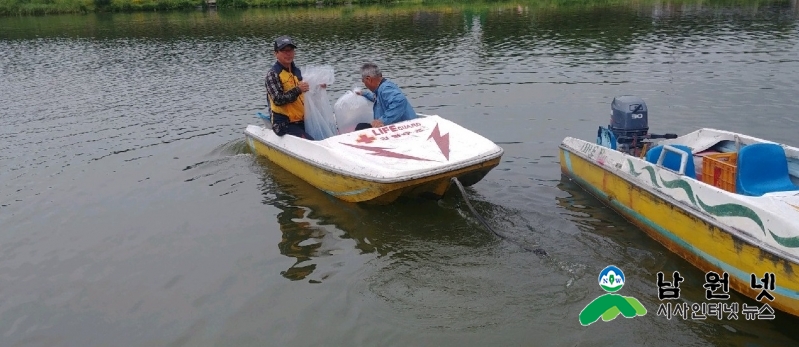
[762, 168]
[672, 160]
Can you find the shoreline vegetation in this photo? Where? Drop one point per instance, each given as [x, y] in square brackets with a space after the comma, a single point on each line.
[42, 7]
[45, 7]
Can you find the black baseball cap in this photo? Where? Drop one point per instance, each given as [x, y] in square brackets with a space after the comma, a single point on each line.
[284, 41]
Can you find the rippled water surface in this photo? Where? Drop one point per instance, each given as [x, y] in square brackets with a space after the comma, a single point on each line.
[133, 215]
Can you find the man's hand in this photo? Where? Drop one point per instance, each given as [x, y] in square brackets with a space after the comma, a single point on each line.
[304, 87]
[377, 123]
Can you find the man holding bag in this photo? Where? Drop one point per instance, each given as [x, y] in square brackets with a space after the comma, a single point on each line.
[284, 89]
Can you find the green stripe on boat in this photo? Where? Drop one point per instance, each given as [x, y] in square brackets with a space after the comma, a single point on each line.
[732, 210]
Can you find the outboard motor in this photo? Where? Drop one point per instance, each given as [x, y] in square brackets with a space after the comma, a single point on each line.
[629, 122]
[629, 126]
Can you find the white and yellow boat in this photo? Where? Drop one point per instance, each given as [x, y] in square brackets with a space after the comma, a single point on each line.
[723, 201]
[415, 158]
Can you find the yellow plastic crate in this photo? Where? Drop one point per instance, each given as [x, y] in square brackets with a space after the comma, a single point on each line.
[719, 170]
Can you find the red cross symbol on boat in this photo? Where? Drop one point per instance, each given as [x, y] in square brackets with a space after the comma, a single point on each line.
[365, 138]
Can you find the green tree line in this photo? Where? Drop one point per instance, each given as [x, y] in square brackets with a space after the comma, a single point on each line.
[41, 7]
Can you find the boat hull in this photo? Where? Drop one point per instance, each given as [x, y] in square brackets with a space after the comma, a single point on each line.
[354, 189]
[705, 244]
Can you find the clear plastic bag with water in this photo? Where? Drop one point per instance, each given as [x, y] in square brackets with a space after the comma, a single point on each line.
[320, 120]
[352, 109]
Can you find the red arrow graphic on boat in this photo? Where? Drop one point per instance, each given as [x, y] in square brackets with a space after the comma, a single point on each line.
[384, 152]
[442, 141]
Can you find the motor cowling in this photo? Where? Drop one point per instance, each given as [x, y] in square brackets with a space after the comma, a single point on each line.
[628, 130]
[629, 119]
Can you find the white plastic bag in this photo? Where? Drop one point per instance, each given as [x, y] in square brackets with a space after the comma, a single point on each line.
[352, 109]
[320, 121]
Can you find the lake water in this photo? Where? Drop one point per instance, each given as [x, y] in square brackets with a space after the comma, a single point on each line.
[132, 213]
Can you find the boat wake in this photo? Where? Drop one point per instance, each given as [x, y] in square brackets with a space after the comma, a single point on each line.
[537, 250]
[234, 147]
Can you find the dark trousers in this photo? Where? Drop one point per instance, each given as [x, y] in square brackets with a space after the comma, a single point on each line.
[362, 126]
[281, 126]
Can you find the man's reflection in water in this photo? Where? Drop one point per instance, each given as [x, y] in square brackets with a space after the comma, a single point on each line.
[295, 242]
[312, 223]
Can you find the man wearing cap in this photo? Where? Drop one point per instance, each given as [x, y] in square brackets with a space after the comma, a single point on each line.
[390, 104]
[284, 88]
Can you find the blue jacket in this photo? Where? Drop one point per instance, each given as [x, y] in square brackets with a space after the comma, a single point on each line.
[391, 106]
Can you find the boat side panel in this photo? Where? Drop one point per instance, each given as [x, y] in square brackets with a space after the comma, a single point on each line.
[340, 186]
[396, 153]
[358, 190]
[697, 241]
[772, 219]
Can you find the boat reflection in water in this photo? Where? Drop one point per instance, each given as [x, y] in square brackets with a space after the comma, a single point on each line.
[311, 222]
[315, 225]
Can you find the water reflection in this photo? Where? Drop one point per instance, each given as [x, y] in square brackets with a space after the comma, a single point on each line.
[586, 210]
[414, 27]
[313, 224]
[294, 234]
